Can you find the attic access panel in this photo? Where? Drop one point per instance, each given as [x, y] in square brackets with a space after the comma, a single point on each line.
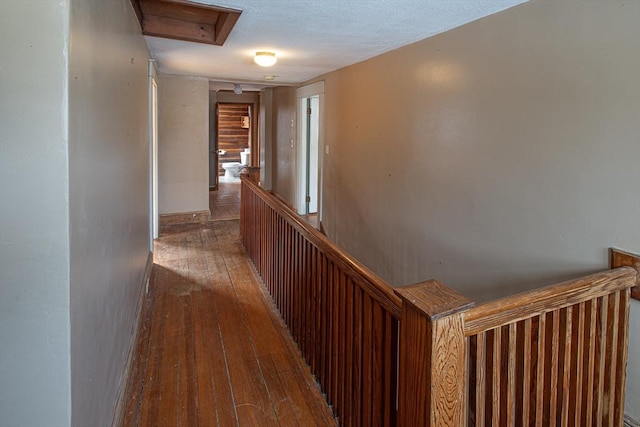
[185, 20]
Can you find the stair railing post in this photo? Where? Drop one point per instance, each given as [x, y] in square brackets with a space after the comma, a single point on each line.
[432, 356]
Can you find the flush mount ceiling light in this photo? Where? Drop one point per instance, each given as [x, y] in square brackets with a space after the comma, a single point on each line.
[237, 89]
[265, 59]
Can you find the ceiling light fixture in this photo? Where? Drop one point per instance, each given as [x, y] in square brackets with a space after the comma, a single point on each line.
[237, 89]
[265, 59]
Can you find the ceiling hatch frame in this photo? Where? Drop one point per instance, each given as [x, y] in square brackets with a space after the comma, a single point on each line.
[185, 20]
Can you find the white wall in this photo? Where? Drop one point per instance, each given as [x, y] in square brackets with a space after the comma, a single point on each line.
[183, 144]
[499, 156]
[109, 198]
[34, 215]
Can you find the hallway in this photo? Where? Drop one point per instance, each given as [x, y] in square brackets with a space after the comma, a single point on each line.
[212, 349]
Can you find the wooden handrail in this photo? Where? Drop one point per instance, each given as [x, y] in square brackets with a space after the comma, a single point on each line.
[343, 317]
[554, 355]
[372, 283]
[514, 308]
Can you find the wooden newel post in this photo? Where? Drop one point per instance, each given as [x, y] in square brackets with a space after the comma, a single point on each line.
[626, 259]
[432, 356]
[253, 172]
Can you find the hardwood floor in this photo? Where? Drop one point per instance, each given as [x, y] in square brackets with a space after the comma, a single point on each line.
[212, 349]
[224, 203]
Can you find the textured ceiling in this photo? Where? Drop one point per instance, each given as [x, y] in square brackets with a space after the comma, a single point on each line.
[312, 37]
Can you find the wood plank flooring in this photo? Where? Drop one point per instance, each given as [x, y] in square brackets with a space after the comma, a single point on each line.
[224, 203]
[212, 349]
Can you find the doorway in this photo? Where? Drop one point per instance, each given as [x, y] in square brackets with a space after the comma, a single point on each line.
[233, 140]
[310, 148]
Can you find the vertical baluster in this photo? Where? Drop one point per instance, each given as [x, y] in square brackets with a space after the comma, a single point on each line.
[335, 356]
[367, 371]
[295, 280]
[526, 372]
[611, 357]
[293, 267]
[304, 291]
[309, 304]
[495, 372]
[591, 369]
[316, 321]
[310, 314]
[283, 265]
[308, 288]
[511, 376]
[379, 334]
[577, 365]
[601, 348]
[350, 318]
[331, 332]
[322, 361]
[390, 363]
[623, 337]
[317, 346]
[540, 371]
[277, 293]
[342, 363]
[568, 350]
[286, 290]
[263, 241]
[553, 390]
[300, 288]
[481, 384]
[358, 298]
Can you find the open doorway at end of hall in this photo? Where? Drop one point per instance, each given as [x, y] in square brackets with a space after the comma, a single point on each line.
[233, 140]
[233, 128]
[229, 154]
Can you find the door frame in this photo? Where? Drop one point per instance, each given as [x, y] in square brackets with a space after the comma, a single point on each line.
[301, 156]
[250, 107]
[154, 215]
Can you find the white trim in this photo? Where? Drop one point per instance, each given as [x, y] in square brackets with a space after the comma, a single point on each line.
[154, 217]
[302, 93]
[118, 413]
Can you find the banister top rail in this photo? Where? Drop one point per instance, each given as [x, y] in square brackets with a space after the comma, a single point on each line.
[371, 283]
[500, 312]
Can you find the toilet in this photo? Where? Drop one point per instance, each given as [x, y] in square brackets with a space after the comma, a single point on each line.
[232, 169]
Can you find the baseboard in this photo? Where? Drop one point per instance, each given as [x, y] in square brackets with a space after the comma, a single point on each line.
[118, 415]
[194, 217]
[630, 422]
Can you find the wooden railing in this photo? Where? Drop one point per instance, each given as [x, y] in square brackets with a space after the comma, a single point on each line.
[553, 356]
[343, 317]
